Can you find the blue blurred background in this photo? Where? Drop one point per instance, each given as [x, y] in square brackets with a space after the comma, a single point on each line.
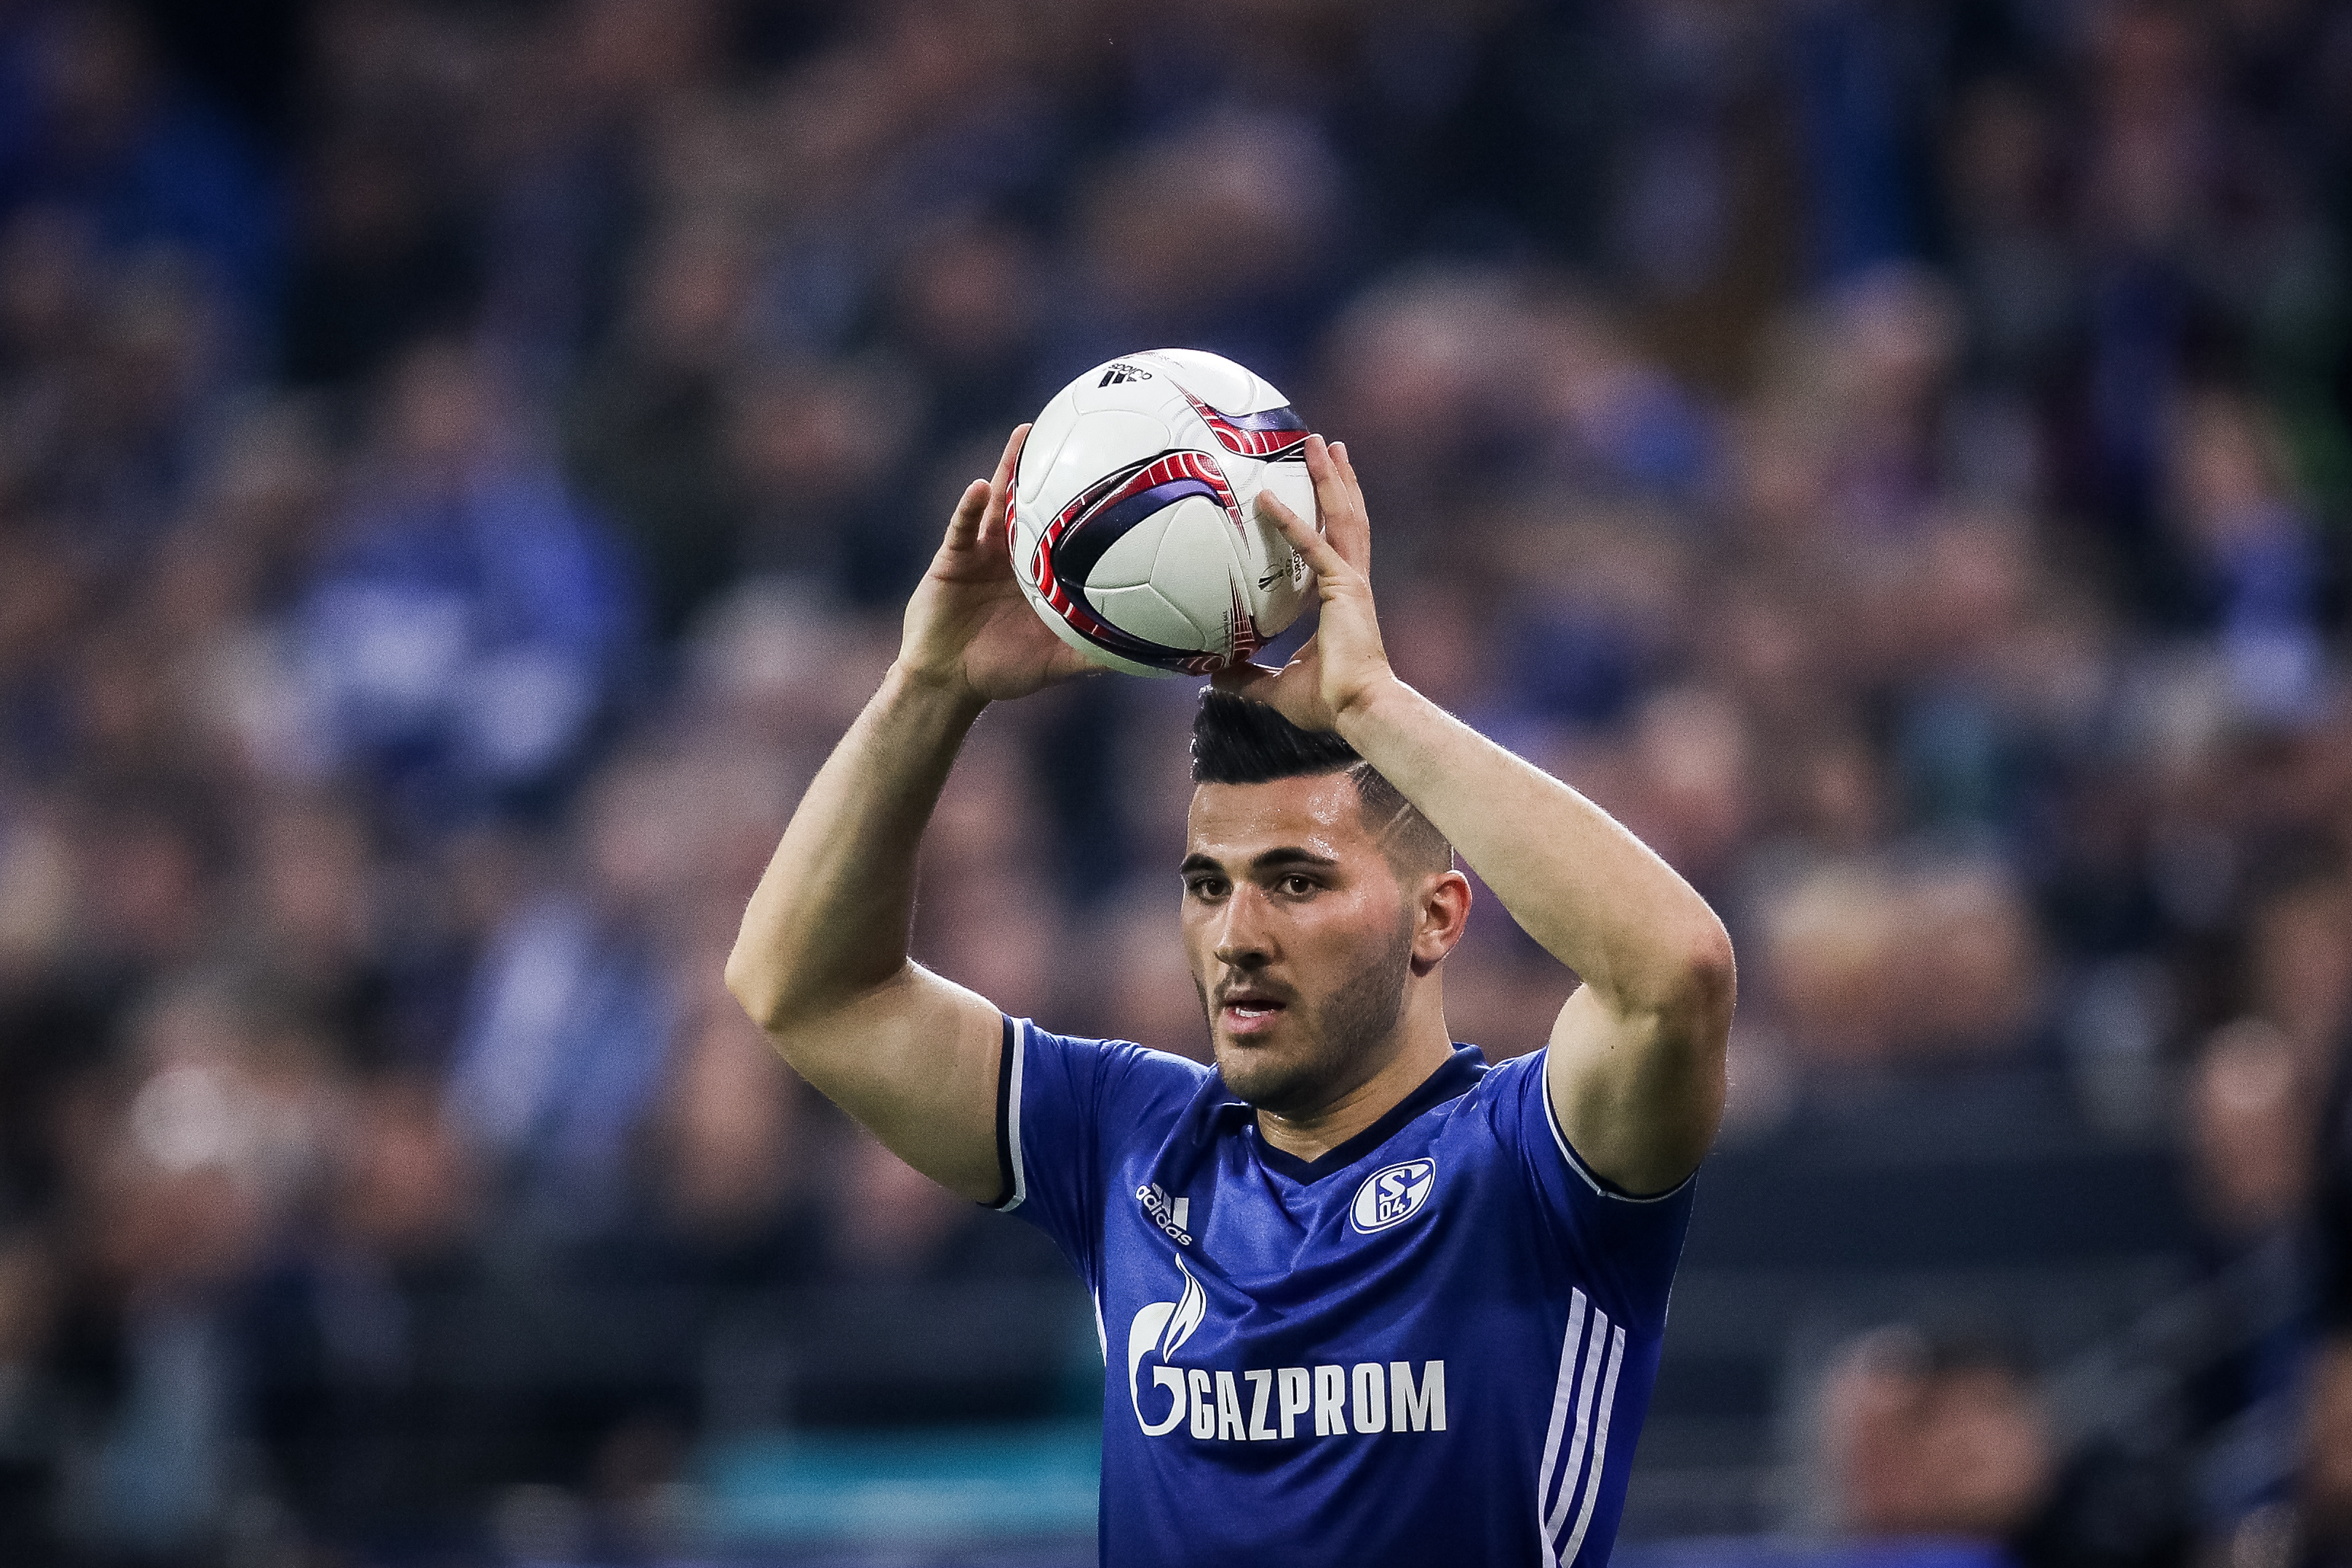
[460, 465]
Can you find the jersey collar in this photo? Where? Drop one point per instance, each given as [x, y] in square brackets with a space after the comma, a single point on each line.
[1452, 1080]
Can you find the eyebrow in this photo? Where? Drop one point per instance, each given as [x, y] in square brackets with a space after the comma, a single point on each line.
[1272, 860]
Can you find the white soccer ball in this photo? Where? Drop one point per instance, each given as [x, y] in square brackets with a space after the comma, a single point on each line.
[1133, 519]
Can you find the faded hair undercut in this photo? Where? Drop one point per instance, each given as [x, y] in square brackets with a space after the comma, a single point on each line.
[1236, 741]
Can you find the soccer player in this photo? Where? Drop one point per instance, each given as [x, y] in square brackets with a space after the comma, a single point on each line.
[1364, 1298]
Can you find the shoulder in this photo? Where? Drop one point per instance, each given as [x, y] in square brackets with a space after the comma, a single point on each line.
[1621, 1248]
[1514, 1098]
[1067, 1105]
[1101, 1071]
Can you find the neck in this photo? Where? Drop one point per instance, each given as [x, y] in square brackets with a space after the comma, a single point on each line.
[1421, 1045]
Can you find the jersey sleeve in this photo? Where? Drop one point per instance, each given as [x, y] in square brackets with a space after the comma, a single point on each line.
[1065, 1109]
[1625, 1247]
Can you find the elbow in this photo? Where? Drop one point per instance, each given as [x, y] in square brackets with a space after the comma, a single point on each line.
[1695, 1026]
[1713, 966]
[756, 991]
[789, 1000]
[1705, 984]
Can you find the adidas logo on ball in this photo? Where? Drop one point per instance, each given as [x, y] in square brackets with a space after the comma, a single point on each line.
[1116, 374]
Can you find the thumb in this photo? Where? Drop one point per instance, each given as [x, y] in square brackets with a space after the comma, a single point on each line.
[1244, 680]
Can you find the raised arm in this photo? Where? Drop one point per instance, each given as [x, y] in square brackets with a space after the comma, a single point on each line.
[1635, 1073]
[821, 961]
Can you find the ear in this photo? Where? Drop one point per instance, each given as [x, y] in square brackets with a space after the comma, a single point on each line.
[1441, 911]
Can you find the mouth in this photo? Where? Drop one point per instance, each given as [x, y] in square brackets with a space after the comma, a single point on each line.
[1249, 1012]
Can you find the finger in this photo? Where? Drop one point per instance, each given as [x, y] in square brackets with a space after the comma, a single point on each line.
[1012, 458]
[1341, 500]
[1304, 537]
[964, 522]
[1068, 664]
[1348, 470]
[1331, 483]
[1243, 680]
[1356, 497]
[1000, 488]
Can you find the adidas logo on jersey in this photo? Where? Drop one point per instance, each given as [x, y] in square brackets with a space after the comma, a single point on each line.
[1170, 1215]
[1119, 374]
[1209, 1403]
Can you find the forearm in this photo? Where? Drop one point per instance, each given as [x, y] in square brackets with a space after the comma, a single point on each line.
[829, 920]
[1592, 894]
[1635, 1063]
[821, 961]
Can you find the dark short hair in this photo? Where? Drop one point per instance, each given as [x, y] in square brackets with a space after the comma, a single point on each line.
[1237, 741]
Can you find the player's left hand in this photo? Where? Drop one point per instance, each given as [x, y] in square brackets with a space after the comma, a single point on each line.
[1343, 664]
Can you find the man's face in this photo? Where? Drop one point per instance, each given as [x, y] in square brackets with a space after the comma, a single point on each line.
[1298, 935]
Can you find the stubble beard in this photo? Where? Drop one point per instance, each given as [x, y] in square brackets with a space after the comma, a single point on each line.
[1341, 1048]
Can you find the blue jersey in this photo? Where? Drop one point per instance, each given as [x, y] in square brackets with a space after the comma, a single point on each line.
[1433, 1344]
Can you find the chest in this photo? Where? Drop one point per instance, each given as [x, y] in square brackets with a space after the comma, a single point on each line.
[1418, 1242]
[1240, 1305]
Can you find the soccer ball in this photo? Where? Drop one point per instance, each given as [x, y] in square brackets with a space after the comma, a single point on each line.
[1131, 518]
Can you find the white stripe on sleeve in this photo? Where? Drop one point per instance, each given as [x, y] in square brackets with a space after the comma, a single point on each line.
[1012, 1120]
[1599, 1448]
[1559, 1398]
[1575, 1463]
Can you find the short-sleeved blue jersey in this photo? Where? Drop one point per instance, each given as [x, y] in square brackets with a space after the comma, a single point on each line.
[1433, 1344]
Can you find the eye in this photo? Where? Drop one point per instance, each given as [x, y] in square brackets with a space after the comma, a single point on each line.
[1205, 886]
[1297, 884]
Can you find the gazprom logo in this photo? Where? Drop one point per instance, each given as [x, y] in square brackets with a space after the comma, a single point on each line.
[1281, 1402]
[1392, 1195]
[1164, 1326]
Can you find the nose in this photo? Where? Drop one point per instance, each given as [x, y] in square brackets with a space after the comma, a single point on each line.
[1242, 940]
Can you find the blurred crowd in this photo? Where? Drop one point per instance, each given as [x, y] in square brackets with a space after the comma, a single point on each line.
[455, 487]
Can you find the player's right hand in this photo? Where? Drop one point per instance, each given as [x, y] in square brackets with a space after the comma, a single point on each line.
[969, 629]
